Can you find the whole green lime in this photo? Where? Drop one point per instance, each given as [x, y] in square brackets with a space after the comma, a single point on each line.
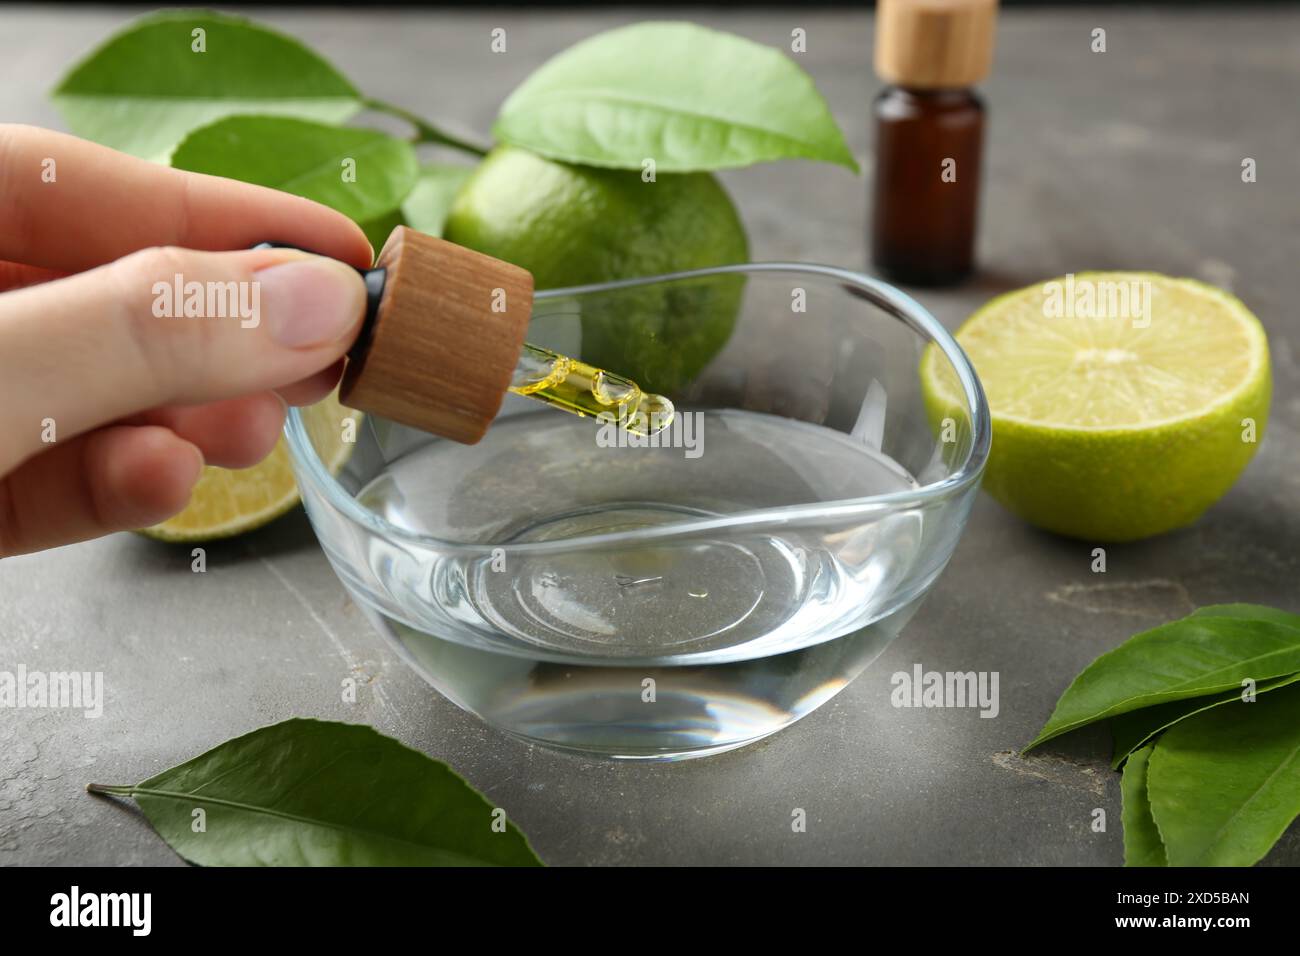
[576, 225]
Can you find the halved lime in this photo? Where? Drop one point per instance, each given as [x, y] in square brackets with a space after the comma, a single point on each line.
[1124, 404]
[227, 502]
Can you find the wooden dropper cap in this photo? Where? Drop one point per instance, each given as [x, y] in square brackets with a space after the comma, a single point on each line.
[934, 44]
[442, 336]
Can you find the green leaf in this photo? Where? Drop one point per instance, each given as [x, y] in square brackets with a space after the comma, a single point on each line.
[378, 230]
[685, 96]
[1249, 612]
[1225, 784]
[319, 793]
[1142, 844]
[426, 207]
[1203, 654]
[1137, 727]
[307, 159]
[146, 87]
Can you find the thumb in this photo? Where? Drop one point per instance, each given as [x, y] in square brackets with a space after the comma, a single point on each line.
[166, 326]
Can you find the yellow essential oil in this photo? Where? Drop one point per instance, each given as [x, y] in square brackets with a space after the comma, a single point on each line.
[585, 390]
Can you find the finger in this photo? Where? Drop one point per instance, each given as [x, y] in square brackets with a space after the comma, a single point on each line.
[113, 479]
[15, 275]
[61, 224]
[314, 388]
[88, 350]
[237, 433]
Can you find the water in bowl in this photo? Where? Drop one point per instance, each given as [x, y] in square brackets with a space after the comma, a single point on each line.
[572, 632]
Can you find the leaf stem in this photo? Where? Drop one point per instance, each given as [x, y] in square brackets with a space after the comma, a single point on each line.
[106, 789]
[425, 132]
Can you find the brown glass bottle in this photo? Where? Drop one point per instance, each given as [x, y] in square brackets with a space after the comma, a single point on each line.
[927, 181]
[929, 136]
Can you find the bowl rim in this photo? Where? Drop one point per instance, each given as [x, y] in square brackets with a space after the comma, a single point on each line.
[309, 467]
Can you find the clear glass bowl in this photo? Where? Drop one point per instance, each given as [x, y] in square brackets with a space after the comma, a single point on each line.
[680, 600]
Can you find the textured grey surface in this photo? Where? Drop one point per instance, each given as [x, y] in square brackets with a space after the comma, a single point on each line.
[1127, 159]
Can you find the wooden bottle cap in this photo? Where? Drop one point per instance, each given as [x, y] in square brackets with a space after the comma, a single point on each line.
[931, 44]
[439, 353]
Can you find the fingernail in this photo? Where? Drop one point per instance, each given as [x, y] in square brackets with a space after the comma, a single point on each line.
[311, 301]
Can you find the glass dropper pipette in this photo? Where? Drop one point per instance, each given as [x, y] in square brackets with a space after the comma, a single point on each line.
[584, 390]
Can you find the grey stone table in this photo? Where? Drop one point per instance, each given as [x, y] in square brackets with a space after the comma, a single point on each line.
[1127, 159]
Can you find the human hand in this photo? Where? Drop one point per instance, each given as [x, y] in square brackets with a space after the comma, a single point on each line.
[109, 409]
